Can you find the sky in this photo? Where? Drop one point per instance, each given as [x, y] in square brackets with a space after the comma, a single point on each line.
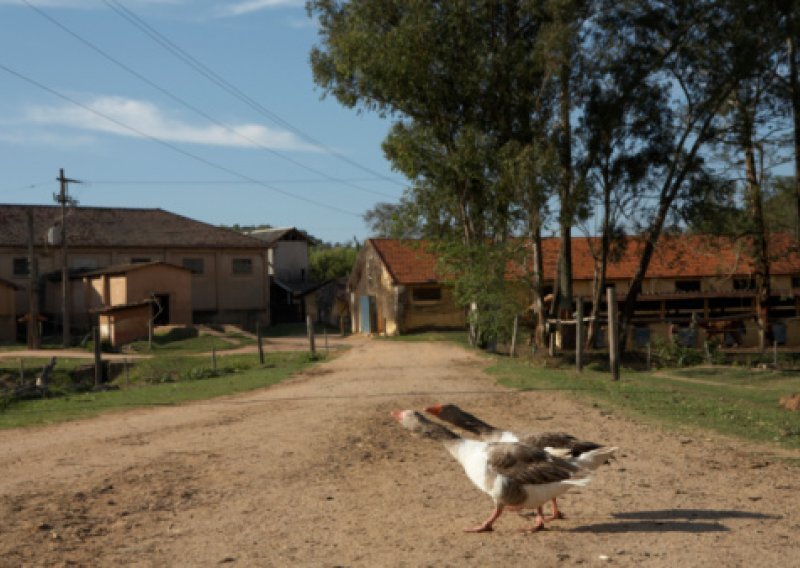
[230, 130]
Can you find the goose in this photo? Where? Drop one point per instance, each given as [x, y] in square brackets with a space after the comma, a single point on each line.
[516, 476]
[581, 453]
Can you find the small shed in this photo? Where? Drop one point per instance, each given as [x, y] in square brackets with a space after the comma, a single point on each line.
[124, 323]
[167, 286]
[8, 316]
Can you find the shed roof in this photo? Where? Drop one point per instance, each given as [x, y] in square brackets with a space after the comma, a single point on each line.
[676, 256]
[276, 234]
[130, 267]
[117, 228]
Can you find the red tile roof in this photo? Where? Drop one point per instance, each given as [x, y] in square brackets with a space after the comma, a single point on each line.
[411, 262]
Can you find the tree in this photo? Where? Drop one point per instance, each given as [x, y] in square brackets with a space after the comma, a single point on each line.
[331, 263]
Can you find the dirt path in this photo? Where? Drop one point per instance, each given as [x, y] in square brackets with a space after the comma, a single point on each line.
[314, 472]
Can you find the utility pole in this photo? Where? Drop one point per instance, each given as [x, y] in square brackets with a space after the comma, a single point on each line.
[64, 199]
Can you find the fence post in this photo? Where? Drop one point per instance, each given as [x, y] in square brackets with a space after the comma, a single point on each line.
[310, 331]
[260, 340]
[613, 333]
[21, 371]
[775, 354]
[98, 358]
[214, 356]
[579, 336]
[513, 352]
[649, 366]
[125, 365]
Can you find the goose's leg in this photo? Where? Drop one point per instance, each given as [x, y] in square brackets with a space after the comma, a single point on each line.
[538, 523]
[556, 514]
[487, 524]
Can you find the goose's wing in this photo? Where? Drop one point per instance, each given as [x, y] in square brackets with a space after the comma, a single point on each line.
[526, 464]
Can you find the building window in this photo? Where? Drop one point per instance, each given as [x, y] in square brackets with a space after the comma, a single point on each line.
[795, 281]
[139, 259]
[687, 285]
[194, 264]
[426, 294]
[744, 284]
[21, 266]
[242, 265]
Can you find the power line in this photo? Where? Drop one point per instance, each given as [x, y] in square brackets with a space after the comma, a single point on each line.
[195, 109]
[221, 82]
[210, 182]
[172, 147]
[29, 186]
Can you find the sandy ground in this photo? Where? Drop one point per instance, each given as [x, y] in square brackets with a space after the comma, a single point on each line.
[314, 472]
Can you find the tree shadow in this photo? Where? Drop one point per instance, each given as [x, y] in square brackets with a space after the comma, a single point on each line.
[672, 520]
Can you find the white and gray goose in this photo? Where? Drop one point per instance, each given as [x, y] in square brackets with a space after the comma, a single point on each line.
[515, 475]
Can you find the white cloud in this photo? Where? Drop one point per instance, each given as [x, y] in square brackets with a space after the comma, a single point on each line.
[149, 120]
[248, 6]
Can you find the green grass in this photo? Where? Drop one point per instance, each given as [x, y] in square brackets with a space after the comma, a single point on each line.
[235, 374]
[180, 341]
[741, 403]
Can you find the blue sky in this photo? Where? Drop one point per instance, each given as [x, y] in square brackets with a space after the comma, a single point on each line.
[165, 135]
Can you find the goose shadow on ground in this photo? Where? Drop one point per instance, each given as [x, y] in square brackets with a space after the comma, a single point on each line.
[671, 520]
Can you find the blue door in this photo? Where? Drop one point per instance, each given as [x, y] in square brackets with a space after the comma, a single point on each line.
[364, 313]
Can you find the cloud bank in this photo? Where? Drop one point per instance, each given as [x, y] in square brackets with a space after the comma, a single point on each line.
[149, 120]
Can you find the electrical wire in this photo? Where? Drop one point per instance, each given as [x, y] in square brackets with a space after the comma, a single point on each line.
[225, 85]
[195, 109]
[171, 146]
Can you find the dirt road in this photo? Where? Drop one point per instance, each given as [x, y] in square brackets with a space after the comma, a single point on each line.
[314, 472]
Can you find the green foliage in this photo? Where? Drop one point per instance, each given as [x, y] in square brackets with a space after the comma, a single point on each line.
[331, 263]
[479, 273]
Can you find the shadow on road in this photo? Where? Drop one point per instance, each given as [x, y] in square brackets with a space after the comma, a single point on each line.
[671, 520]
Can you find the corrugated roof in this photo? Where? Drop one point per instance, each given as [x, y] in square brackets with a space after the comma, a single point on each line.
[275, 234]
[411, 262]
[129, 267]
[117, 228]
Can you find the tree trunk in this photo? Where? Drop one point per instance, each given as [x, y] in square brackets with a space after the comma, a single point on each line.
[601, 266]
[537, 281]
[565, 191]
[759, 241]
[794, 90]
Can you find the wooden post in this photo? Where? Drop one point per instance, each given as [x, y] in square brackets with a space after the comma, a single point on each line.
[21, 371]
[613, 333]
[579, 336]
[150, 327]
[649, 355]
[260, 340]
[551, 345]
[213, 356]
[98, 358]
[127, 377]
[341, 326]
[310, 331]
[33, 337]
[513, 351]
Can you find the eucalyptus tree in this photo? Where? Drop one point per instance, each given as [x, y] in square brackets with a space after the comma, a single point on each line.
[670, 46]
[462, 82]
